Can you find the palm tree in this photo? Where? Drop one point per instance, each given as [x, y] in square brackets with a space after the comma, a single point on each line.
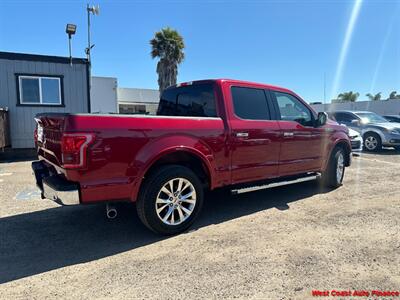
[167, 45]
[393, 95]
[376, 97]
[348, 96]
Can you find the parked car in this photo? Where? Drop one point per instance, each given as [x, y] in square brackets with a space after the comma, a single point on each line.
[375, 130]
[355, 137]
[392, 118]
[356, 140]
[208, 134]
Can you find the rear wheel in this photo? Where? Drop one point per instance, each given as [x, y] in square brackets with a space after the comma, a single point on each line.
[170, 200]
[372, 142]
[334, 173]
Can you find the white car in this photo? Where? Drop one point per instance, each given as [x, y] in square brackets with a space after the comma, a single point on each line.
[356, 140]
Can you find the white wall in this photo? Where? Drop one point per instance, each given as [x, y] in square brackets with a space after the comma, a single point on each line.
[382, 107]
[103, 95]
[136, 95]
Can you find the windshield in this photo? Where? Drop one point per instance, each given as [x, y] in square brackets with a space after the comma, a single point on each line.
[371, 118]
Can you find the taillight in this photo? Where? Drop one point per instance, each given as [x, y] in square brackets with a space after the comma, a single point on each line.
[74, 149]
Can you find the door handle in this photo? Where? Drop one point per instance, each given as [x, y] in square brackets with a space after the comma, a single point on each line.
[242, 134]
[288, 134]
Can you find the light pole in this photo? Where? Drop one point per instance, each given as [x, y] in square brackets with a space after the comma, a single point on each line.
[70, 30]
[95, 10]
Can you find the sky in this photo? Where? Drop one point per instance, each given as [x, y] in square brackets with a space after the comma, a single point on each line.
[355, 45]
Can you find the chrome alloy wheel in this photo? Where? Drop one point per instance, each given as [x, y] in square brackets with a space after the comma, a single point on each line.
[371, 142]
[175, 201]
[340, 167]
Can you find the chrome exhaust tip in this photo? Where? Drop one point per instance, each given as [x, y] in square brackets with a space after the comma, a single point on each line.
[111, 211]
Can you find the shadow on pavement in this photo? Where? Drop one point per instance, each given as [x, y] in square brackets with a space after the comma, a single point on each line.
[16, 155]
[383, 151]
[41, 241]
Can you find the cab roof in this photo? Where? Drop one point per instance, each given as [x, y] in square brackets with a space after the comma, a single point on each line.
[235, 81]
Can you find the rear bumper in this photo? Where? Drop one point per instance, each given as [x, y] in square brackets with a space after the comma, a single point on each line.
[54, 186]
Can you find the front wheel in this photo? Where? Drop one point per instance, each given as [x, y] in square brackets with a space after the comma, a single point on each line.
[372, 142]
[170, 200]
[334, 173]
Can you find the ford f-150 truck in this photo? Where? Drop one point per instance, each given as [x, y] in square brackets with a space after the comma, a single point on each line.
[207, 134]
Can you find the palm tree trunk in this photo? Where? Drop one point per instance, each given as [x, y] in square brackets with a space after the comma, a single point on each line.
[167, 74]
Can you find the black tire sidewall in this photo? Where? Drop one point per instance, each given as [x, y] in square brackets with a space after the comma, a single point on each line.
[154, 184]
[335, 165]
[329, 178]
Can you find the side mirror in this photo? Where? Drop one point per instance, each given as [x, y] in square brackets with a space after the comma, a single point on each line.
[355, 122]
[322, 119]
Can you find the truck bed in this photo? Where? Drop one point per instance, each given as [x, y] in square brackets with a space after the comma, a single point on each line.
[123, 146]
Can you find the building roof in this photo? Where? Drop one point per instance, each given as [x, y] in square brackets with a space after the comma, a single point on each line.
[135, 95]
[42, 58]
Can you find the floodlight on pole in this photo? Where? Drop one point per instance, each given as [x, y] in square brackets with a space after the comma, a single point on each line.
[70, 30]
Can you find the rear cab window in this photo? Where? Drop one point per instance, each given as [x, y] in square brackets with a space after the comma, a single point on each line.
[196, 100]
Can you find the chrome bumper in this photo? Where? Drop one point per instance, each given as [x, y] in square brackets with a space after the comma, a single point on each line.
[54, 186]
[68, 197]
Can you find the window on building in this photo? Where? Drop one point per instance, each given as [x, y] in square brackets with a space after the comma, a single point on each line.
[132, 109]
[196, 100]
[39, 90]
[250, 103]
[292, 109]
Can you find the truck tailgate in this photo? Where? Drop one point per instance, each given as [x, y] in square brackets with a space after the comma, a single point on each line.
[48, 136]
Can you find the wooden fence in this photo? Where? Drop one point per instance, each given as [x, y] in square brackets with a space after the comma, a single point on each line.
[4, 129]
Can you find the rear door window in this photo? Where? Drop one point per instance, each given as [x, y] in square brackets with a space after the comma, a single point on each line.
[191, 101]
[250, 103]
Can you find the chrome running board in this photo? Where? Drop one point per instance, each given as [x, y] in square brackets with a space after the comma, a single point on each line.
[274, 184]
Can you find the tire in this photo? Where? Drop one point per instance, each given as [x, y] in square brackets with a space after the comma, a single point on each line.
[331, 178]
[169, 213]
[372, 142]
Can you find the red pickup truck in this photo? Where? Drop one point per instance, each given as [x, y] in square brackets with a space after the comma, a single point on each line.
[207, 134]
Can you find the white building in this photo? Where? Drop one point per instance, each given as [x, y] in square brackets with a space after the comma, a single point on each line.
[137, 101]
[381, 107]
[103, 91]
[107, 97]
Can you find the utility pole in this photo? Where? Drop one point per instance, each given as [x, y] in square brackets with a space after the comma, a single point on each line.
[95, 10]
[324, 87]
